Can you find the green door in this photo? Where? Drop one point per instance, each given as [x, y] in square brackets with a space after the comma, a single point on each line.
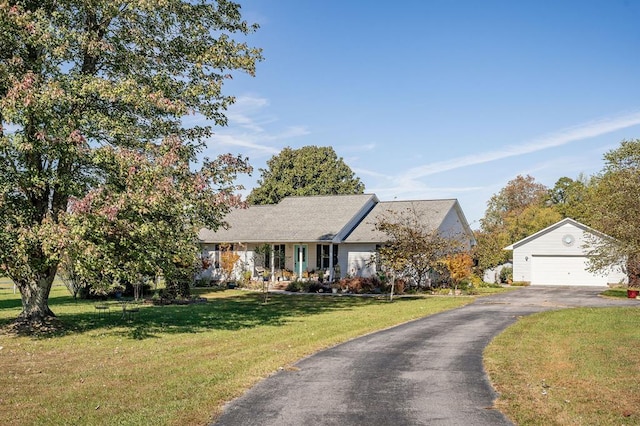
[299, 259]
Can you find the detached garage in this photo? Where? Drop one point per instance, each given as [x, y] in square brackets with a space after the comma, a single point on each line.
[556, 256]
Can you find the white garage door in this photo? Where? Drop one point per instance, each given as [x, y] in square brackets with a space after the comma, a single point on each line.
[563, 270]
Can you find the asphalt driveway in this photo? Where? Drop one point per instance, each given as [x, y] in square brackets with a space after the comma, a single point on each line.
[426, 372]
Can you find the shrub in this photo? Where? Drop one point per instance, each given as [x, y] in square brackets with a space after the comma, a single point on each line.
[313, 287]
[506, 274]
[295, 286]
[204, 282]
[489, 285]
[362, 285]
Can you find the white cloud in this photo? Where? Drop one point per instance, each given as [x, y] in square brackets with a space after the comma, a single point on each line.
[251, 129]
[562, 137]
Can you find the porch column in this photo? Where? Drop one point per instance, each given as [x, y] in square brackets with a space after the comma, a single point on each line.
[300, 259]
[331, 262]
[273, 263]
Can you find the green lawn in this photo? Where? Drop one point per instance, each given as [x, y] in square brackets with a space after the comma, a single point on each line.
[569, 367]
[173, 364]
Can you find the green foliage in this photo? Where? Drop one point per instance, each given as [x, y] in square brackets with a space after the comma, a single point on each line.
[313, 286]
[518, 194]
[295, 286]
[89, 91]
[568, 196]
[506, 274]
[614, 208]
[310, 170]
[517, 211]
[180, 282]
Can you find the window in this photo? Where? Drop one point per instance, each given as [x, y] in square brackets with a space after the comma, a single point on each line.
[322, 256]
[278, 257]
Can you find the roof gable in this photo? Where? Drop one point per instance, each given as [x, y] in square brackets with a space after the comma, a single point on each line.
[432, 212]
[563, 222]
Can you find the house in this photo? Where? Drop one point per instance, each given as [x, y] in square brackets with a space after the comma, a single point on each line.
[557, 255]
[327, 235]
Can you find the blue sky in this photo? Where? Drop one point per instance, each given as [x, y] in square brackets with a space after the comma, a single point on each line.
[440, 99]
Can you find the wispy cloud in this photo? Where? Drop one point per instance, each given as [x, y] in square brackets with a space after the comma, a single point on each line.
[562, 137]
[243, 141]
[251, 128]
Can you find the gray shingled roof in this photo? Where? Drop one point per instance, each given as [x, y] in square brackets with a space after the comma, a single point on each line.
[431, 212]
[318, 218]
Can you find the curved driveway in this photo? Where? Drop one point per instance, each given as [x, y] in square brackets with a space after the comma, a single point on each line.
[426, 372]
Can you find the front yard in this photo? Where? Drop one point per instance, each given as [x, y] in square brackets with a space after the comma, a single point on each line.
[173, 364]
[569, 367]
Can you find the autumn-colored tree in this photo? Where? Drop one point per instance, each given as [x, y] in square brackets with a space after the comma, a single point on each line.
[459, 267]
[413, 251]
[518, 194]
[518, 210]
[310, 170]
[82, 82]
[614, 208]
[228, 261]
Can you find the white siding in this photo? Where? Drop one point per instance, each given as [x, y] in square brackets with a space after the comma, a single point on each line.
[357, 259]
[452, 227]
[547, 260]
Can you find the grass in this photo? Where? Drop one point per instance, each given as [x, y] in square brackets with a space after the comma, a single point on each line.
[617, 292]
[569, 367]
[173, 365]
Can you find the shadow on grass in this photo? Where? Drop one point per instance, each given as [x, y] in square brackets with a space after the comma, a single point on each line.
[53, 301]
[228, 313]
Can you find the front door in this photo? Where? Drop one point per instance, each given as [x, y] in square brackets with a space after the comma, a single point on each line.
[299, 259]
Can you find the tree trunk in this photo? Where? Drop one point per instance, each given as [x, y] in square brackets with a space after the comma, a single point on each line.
[35, 297]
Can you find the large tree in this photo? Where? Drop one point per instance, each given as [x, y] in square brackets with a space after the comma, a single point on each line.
[79, 78]
[310, 170]
[144, 218]
[614, 208]
[517, 195]
[518, 210]
[568, 196]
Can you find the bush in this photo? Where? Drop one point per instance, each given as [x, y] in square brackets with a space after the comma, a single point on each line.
[313, 287]
[362, 285]
[295, 286]
[489, 285]
[506, 274]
